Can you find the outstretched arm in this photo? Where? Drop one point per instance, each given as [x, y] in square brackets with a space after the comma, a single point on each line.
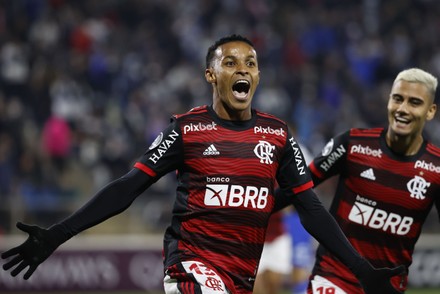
[323, 227]
[41, 243]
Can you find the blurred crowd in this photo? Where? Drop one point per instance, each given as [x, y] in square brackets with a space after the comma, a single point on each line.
[86, 85]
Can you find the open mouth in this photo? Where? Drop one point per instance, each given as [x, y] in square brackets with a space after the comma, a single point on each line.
[241, 88]
[402, 120]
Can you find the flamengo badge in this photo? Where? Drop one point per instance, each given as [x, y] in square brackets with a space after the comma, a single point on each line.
[417, 187]
[264, 151]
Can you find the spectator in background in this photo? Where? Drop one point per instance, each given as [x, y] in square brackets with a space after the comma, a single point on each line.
[57, 141]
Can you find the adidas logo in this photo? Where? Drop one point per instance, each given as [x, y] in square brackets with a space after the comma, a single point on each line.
[211, 150]
[368, 174]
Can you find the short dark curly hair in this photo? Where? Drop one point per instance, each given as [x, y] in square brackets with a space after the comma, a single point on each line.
[221, 41]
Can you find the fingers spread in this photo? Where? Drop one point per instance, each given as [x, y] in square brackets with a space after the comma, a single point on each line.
[11, 252]
[19, 268]
[30, 271]
[16, 260]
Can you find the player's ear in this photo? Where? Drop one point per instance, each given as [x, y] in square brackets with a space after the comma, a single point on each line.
[431, 112]
[210, 76]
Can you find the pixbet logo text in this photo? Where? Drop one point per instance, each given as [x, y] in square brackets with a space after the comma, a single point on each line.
[269, 130]
[199, 127]
[427, 166]
[366, 150]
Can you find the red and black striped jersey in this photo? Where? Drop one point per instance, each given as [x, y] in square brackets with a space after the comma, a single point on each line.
[381, 202]
[226, 174]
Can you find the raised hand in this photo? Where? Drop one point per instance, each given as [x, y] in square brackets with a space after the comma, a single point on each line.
[40, 244]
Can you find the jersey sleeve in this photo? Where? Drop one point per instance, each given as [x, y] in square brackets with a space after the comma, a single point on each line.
[165, 154]
[329, 162]
[293, 173]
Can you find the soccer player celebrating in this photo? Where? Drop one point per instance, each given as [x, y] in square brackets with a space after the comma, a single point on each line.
[389, 179]
[228, 157]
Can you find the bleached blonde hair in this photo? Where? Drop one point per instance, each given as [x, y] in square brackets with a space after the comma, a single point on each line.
[417, 75]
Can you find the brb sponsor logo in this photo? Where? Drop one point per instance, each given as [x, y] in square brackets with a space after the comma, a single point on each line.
[199, 127]
[365, 213]
[366, 150]
[222, 194]
[269, 131]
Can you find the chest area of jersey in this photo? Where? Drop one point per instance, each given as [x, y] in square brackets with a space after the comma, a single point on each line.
[223, 149]
[371, 173]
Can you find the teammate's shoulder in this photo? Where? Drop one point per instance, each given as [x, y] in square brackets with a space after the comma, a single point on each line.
[193, 111]
[366, 132]
[265, 115]
[433, 149]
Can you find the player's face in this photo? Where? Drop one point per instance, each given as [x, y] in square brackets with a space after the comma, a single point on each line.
[409, 107]
[235, 76]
